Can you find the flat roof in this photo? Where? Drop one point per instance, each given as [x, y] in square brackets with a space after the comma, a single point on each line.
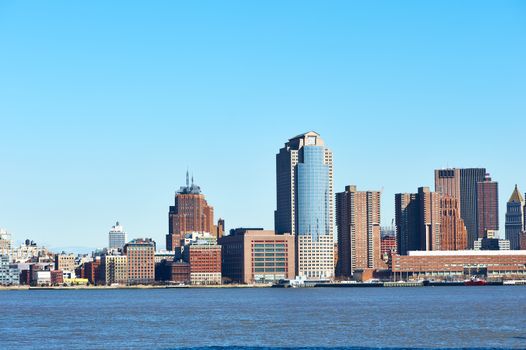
[466, 253]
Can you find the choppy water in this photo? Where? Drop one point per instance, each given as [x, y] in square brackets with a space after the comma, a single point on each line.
[442, 317]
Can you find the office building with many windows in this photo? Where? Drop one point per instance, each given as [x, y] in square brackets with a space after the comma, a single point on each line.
[304, 185]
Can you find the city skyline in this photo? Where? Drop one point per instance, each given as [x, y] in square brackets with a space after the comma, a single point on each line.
[91, 134]
[102, 236]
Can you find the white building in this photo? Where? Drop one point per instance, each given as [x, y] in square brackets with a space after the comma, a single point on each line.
[28, 251]
[42, 277]
[5, 242]
[117, 237]
[9, 273]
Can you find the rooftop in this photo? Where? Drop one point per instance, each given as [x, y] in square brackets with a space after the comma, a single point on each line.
[466, 252]
[189, 188]
[516, 196]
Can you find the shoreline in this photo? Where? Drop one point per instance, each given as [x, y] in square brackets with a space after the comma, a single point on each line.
[389, 285]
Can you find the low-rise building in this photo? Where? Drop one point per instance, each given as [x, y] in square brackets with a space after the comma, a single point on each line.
[57, 277]
[491, 244]
[41, 278]
[257, 256]
[173, 271]
[505, 264]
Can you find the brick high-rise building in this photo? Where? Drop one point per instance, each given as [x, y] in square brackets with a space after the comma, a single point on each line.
[406, 218]
[304, 203]
[358, 222]
[515, 218]
[140, 255]
[462, 184]
[487, 207]
[453, 233]
[190, 213]
[418, 220]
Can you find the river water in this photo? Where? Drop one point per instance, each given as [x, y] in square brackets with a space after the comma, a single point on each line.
[430, 317]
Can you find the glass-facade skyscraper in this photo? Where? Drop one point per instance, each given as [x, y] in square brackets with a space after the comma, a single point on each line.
[305, 206]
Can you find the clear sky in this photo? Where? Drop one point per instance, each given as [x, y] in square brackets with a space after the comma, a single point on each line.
[105, 104]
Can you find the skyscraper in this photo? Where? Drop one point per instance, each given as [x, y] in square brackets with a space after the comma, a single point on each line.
[305, 203]
[462, 184]
[406, 219]
[453, 233]
[487, 207]
[358, 222]
[190, 213]
[514, 218]
[117, 237]
[418, 220]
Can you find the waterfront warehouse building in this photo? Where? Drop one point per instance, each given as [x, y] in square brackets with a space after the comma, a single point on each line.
[498, 264]
[205, 262]
[304, 203]
[254, 255]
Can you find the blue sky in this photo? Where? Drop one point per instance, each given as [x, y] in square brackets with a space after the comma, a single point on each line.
[104, 105]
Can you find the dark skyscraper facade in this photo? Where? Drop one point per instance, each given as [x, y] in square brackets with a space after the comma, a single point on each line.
[487, 207]
[406, 218]
[462, 184]
[418, 220]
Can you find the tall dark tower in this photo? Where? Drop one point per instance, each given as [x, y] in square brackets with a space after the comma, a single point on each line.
[462, 184]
